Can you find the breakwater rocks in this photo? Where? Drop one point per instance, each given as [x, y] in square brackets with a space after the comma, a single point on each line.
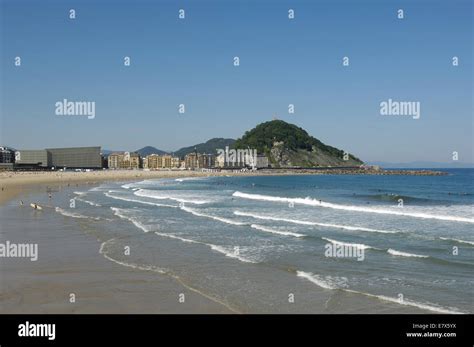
[356, 171]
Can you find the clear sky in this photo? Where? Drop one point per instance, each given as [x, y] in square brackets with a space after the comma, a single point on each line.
[282, 62]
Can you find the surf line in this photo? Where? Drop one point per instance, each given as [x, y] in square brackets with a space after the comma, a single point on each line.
[312, 202]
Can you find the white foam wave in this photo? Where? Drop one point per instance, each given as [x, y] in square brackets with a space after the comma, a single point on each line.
[189, 179]
[74, 214]
[404, 254]
[231, 252]
[96, 189]
[312, 202]
[80, 193]
[120, 213]
[88, 202]
[315, 279]
[171, 236]
[154, 194]
[301, 222]
[138, 201]
[457, 240]
[220, 219]
[325, 284]
[274, 231]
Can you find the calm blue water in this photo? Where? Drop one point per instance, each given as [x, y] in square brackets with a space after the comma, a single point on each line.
[252, 241]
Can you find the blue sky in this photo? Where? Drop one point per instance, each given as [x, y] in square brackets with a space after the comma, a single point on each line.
[282, 61]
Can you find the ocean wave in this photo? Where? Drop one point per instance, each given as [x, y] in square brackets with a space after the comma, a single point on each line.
[171, 236]
[345, 244]
[296, 221]
[363, 246]
[457, 240]
[119, 213]
[404, 254]
[131, 265]
[88, 202]
[97, 189]
[154, 194]
[274, 231]
[230, 253]
[325, 284]
[138, 201]
[227, 251]
[233, 222]
[221, 249]
[220, 219]
[74, 214]
[80, 193]
[151, 182]
[318, 203]
[183, 179]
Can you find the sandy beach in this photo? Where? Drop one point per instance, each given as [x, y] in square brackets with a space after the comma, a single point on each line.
[69, 257]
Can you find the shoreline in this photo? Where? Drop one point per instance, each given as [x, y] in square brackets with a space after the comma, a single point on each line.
[14, 183]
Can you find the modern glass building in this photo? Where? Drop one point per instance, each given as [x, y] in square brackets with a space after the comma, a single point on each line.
[59, 158]
[76, 157]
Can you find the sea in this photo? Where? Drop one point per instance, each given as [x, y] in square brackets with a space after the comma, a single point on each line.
[298, 243]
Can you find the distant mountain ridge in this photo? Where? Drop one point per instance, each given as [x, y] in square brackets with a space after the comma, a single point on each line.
[147, 150]
[209, 146]
[287, 145]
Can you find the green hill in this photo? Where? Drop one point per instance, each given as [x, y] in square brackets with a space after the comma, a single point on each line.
[287, 145]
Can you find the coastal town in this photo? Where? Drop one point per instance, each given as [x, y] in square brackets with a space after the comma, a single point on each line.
[92, 158]
[225, 160]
